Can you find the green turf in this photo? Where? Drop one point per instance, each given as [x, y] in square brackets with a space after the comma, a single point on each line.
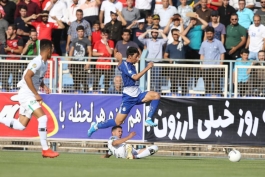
[31, 164]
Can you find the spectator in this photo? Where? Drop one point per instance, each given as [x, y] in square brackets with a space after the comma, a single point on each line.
[156, 22]
[70, 14]
[81, 48]
[3, 29]
[115, 26]
[165, 12]
[125, 43]
[33, 8]
[155, 49]
[249, 4]
[69, 3]
[258, 74]
[91, 10]
[72, 33]
[136, 32]
[261, 12]
[32, 45]
[256, 37]
[204, 12]
[44, 28]
[194, 33]
[96, 34]
[144, 7]
[212, 49]
[22, 28]
[149, 20]
[130, 13]
[175, 50]
[225, 12]
[103, 49]
[235, 38]
[9, 9]
[159, 4]
[174, 22]
[219, 28]
[56, 9]
[242, 73]
[245, 15]
[106, 8]
[214, 4]
[183, 9]
[14, 47]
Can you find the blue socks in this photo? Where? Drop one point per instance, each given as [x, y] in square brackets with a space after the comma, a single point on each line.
[153, 107]
[106, 124]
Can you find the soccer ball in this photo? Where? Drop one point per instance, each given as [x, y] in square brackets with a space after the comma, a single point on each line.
[234, 155]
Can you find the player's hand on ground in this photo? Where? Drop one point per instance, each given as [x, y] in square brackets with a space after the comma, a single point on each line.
[150, 65]
[131, 135]
[38, 97]
[46, 89]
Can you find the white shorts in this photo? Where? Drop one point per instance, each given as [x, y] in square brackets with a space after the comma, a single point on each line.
[27, 108]
[121, 153]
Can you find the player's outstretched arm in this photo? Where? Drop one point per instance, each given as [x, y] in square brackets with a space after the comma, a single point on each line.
[140, 74]
[123, 140]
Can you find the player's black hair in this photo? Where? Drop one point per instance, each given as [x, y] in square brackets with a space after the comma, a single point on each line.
[244, 51]
[13, 26]
[131, 51]
[209, 29]
[175, 29]
[79, 10]
[105, 31]
[80, 27]
[126, 31]
[116, 127]
[23, 7]
[45, 44]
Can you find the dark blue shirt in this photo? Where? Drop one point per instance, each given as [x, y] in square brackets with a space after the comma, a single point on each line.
[176, 51]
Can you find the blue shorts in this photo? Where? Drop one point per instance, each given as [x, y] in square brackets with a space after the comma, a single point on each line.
[128, 102]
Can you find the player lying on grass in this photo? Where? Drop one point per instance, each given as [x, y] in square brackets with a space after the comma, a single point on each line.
[29, 97]
[118, 147]
[132, 94]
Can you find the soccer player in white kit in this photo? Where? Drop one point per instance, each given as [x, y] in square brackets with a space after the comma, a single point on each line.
[118, 147]
[30, 99]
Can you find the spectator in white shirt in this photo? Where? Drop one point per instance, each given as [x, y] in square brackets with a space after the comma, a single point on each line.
[144, 7]
[174, 22]
[249, 4]
[182, 10]
[56, 9]
[70, 15]
[91, 10]
[165, 13]
[256, 38]
[106, 7]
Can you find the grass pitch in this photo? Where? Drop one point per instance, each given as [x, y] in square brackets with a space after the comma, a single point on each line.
[31, 164]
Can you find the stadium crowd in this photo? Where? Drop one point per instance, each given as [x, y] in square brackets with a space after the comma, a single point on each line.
[168, 29]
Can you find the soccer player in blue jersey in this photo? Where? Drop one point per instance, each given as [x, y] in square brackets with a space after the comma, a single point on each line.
[132, 95]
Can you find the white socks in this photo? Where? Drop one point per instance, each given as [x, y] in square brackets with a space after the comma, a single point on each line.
[12, 123]
[147, 152]
[42, 130]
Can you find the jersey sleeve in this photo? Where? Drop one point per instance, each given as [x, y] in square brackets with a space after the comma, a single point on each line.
[126, 70]
[111, 139]
[34, 66]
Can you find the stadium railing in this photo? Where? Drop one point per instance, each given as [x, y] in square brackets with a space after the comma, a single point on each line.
[196, 80]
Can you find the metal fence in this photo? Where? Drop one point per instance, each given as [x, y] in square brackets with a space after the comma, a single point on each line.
[190, 80]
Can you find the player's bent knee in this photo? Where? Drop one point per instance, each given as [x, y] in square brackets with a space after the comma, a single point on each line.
[156, 96]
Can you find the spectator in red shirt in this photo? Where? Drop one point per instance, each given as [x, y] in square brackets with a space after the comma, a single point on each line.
[33, 8]
[44, 28]
[103, 49]
[14, 48]
[214, 4]
[96, 34]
